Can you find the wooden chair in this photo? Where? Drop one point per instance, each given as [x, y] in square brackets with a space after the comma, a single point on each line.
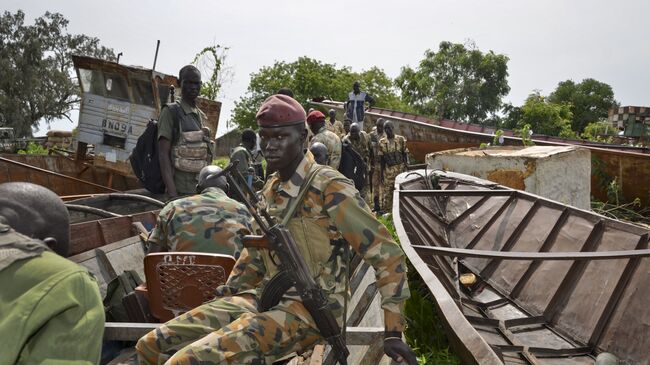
[180, 281]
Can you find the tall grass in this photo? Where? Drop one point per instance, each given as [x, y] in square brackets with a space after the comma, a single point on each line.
[424, 332]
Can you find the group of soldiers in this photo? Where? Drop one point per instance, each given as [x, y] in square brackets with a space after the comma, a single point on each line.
[322, 209]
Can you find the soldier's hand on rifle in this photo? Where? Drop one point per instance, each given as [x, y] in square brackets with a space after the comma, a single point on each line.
[397, 350]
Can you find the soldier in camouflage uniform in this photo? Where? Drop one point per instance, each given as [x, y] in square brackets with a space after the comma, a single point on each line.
[208, 222]
[375, 164]
[335, 125]
[360, 142]
[316, 122]
[329, 220]
[394, 161]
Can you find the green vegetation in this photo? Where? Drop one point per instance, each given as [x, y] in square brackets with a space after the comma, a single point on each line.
[221, 161]
[211, 61]
[309, 78]
[424, 332]
[599, 132]
[34, 149]
[457, 82]
[37, 75]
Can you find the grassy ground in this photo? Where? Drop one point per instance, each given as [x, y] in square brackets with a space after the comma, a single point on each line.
[424, 333]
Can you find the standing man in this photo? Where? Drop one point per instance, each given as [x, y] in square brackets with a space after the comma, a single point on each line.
[375, 164]
[347, 123]
[183, 139]
[356, 105]
[207, 222]
[335, 125]
[244, 155]
[316, 122]
[327, 220]
[360, 143]
[51, 310]
[394, 161]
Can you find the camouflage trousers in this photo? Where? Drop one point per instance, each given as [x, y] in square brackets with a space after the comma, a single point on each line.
[229, 330]
[377, 188]
[390, 173]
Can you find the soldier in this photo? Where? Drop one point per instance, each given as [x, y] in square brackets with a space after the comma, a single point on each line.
[51, 308]
[335, 125]
[347, 123]
[316, 122]
[208, 222]
[247, 163]
[183, 139]
[394, 160]
[356, 105]
[360, 143]
[375, 164]
[331, 219]
[319, 151]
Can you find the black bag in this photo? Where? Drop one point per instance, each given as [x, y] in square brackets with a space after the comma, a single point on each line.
[352, 166]
[144, 160]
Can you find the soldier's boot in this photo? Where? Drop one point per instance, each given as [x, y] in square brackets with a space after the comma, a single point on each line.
[376, 204]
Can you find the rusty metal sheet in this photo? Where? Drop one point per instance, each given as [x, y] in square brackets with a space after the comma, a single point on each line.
[556, 284]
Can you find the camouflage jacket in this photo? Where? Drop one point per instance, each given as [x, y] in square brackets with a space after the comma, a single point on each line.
[337, 128]
[208, 222]
[333, 144]
[393, 148]
[241, 154]
[362, 145]
[332, 218]
[374, 146]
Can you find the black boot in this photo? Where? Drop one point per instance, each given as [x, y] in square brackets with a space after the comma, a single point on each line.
[376, 203]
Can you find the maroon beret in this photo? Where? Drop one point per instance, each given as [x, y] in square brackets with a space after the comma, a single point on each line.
[315, 116]
[280, 111]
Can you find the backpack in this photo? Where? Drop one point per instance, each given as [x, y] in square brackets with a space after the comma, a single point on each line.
[144, 160]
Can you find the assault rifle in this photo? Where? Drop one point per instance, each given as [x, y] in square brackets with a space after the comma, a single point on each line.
[292, 264]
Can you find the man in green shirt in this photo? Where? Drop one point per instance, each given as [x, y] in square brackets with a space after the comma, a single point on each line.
[183, 151]
[50, 308]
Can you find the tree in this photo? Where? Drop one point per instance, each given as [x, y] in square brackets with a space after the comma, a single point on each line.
[543, 117]
[212, 61]
[37, 80]
[309, 78]
[457, 82]
[589, 101]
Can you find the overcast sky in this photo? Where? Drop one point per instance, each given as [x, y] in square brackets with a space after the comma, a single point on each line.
[546, 41]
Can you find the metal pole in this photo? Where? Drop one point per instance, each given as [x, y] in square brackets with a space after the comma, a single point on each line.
[156, 56]
[118, 57]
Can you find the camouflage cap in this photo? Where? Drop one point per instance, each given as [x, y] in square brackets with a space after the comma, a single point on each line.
[280, 111]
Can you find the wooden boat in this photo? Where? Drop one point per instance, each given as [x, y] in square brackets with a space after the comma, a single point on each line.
[111, 205]
[519, 279]
[630, 166]
[109, 246]
[62, 174]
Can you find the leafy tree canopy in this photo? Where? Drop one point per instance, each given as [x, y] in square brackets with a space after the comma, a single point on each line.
[589, 101]
[37, 74]
[543, 117]
[457, 82]
[309, 78]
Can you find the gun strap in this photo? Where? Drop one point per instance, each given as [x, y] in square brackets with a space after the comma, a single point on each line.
[291, 209]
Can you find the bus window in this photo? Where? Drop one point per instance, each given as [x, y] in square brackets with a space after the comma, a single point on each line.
[92, 81]
[142, 92]
[116, 87]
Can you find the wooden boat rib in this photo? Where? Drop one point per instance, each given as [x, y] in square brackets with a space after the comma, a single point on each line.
[553, 284]
[629, 165]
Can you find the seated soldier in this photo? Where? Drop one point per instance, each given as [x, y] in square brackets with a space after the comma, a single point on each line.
[51, 310]
[207, 222]
[328, 221]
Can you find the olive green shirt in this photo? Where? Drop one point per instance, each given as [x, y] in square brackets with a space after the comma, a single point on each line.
[50, 311]
[185, 181]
